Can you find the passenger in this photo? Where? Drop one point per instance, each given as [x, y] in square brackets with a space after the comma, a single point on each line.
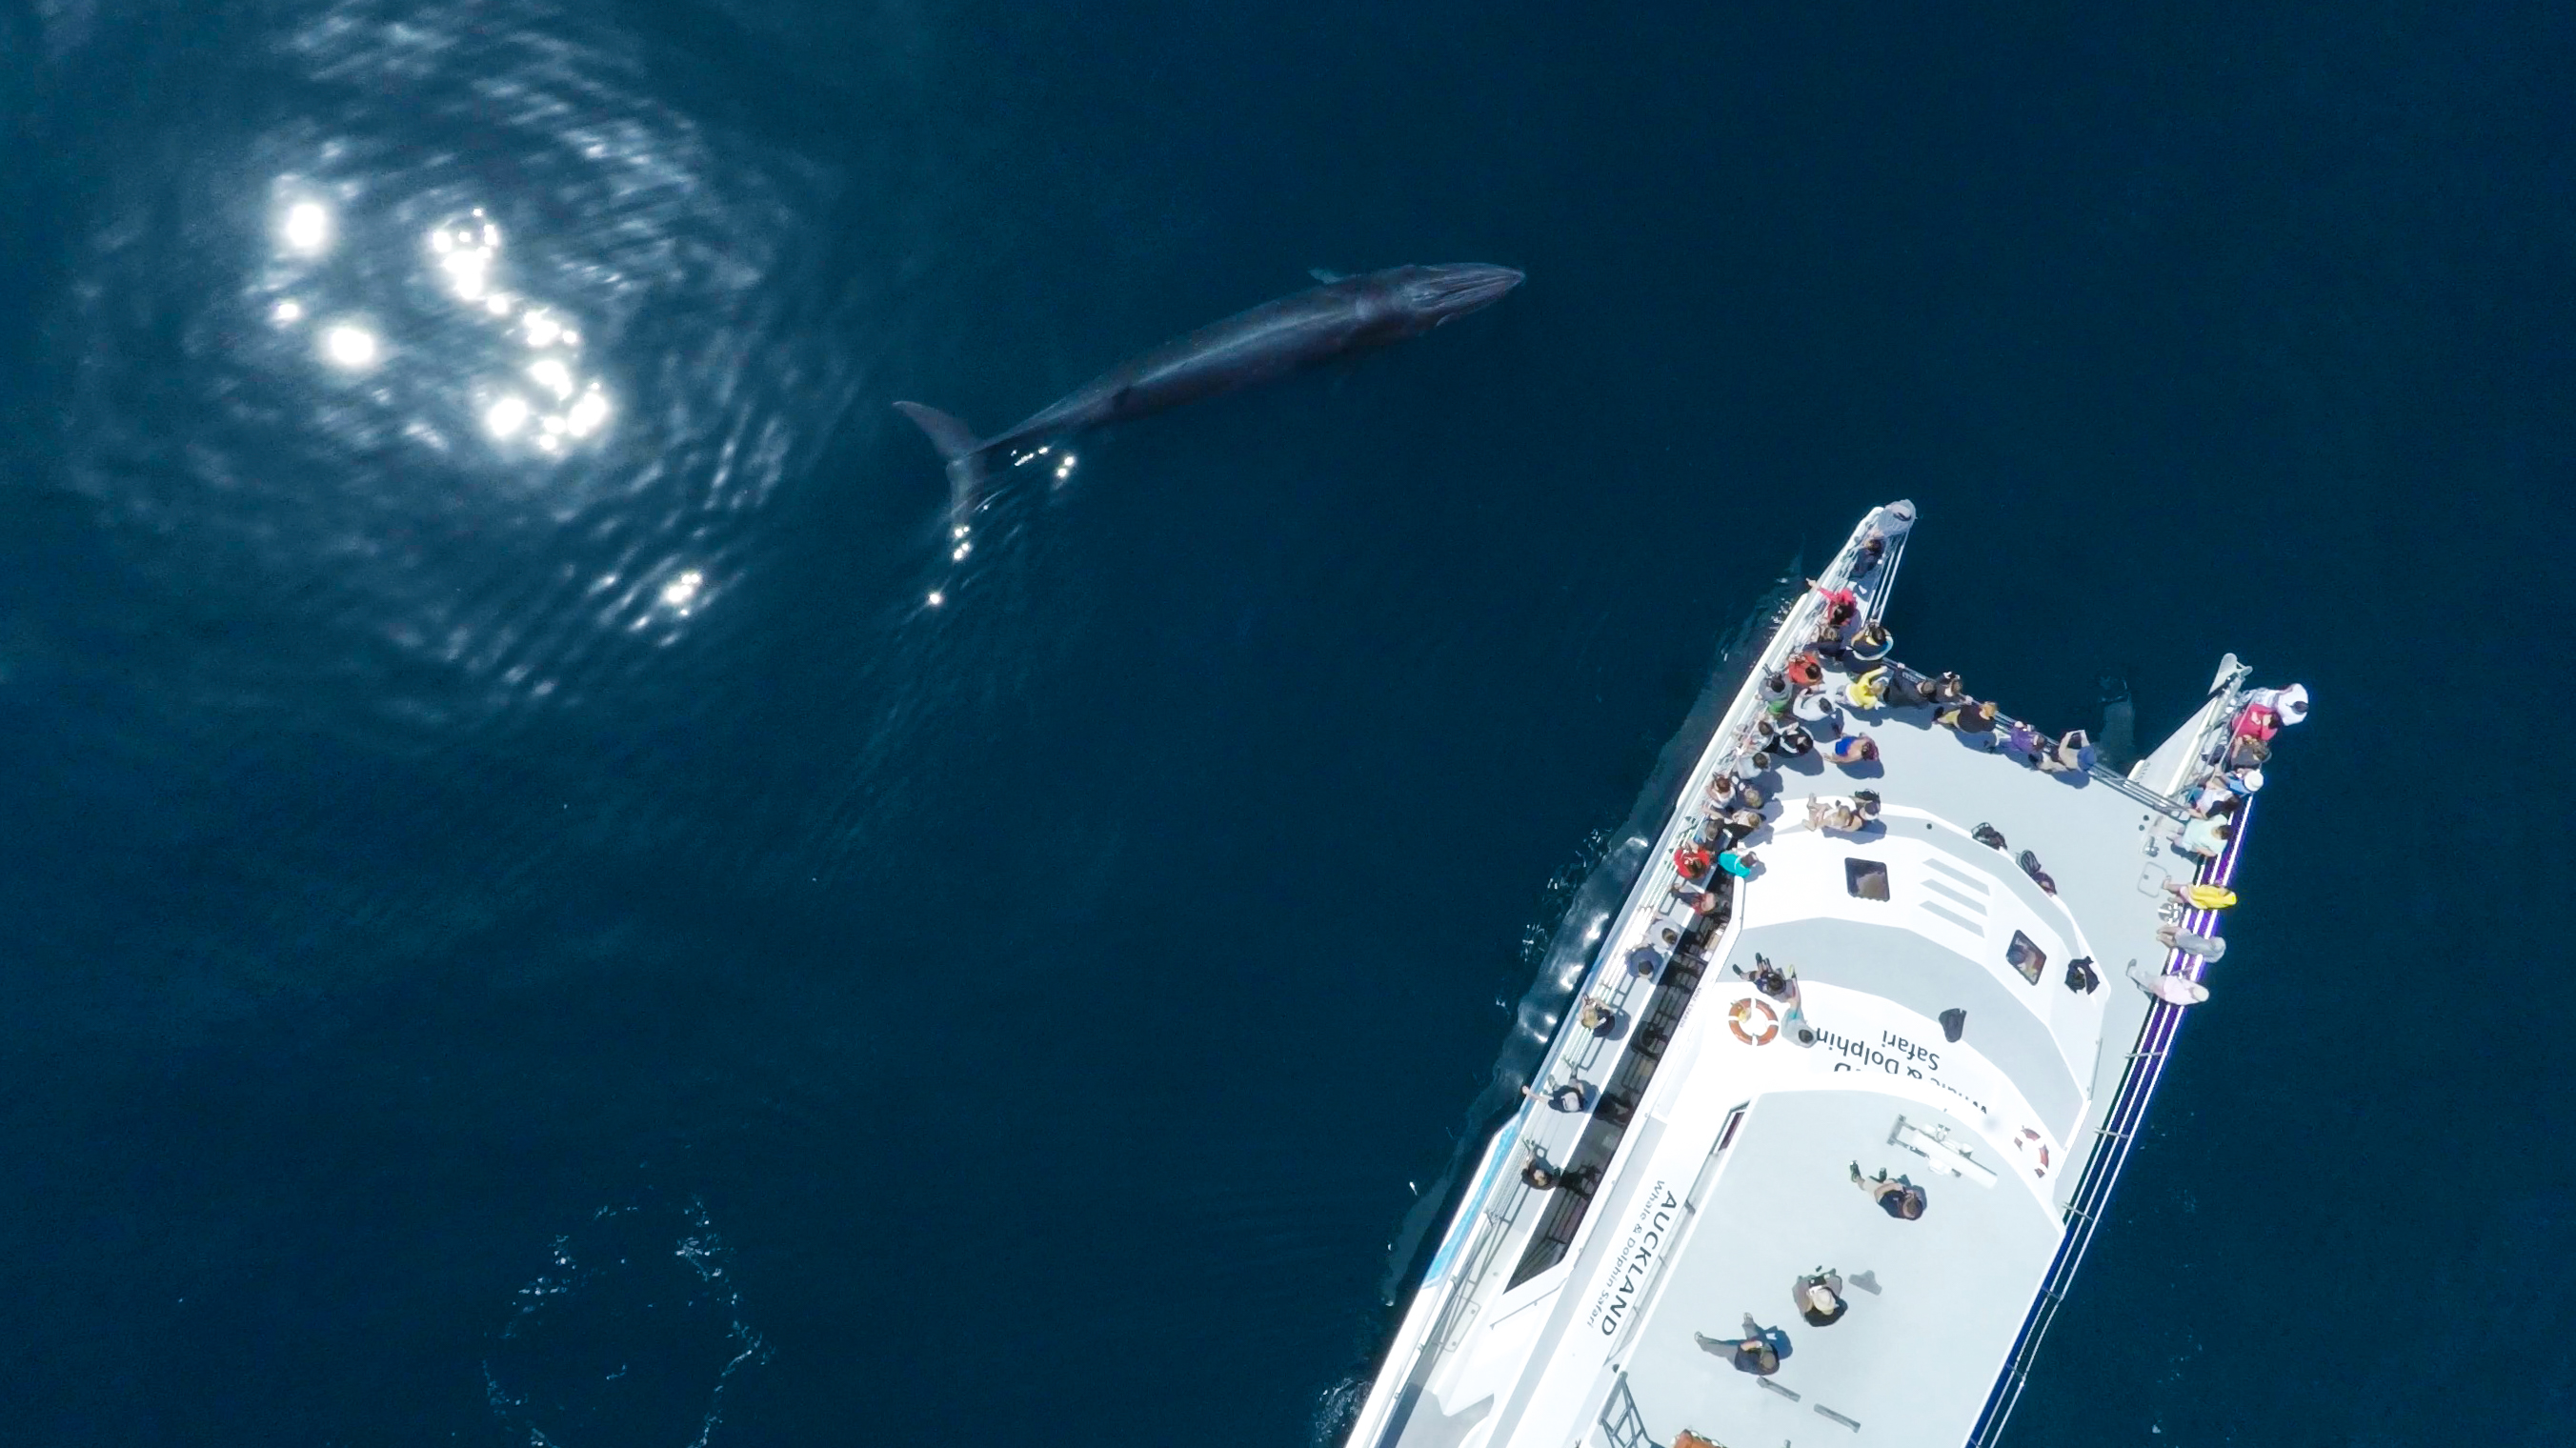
[2207, 947]
[2201, 897]
[1752, 765]
[2173, 990]
[1896, 1196]
[2247, 752]
[1819, 1295]
[1851, 750]
[2030, 866]
[2021, 739]
[2205, 838]
[1815, 709]
[1794, 742]
[1835, 814]
[1867, 801]
[1841, 604]
[2072, 754]
[1947, 689]
[2211, 793]
[1776, 694]
[1596, 1014]
[1739, 863]
[1535, 1171]
[1868, 691]
[1989, 836]
[2258, 721]
[1870, 643]
[2290, 704]
[1975, 722]
[1803, 671]
[1564, 1096]
[1777, 982]
[1741, 823]
[1751, 1353]
[1918, 689]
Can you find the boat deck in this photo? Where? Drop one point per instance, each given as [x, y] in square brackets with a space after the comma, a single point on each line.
[1710, 1165]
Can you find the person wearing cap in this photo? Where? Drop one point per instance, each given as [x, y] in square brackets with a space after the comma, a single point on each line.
[2072, 754]
[1819, 1296]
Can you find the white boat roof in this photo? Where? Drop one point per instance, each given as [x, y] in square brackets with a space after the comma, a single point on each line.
[1586, 1313]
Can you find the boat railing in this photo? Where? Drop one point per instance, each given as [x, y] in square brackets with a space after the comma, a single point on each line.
[2117, 1135]
[1622, 1426]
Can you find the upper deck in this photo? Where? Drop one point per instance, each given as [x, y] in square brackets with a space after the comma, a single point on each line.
[1709, 1165]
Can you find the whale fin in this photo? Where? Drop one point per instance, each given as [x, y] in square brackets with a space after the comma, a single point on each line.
[965, 456]
[1326, 277]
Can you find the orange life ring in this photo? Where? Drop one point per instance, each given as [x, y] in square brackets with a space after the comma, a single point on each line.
[1742, 1011]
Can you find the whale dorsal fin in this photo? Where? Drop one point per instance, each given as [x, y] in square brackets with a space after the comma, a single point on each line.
[1326, 277]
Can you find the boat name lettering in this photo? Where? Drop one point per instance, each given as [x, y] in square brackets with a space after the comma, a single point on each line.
[1648, 1231]
[1905, 1059]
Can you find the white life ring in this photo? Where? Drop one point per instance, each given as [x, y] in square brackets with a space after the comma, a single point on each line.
[1742, 1011]
[2028, 1139]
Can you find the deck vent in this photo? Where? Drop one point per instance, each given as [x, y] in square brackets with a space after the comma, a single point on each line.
[1866, 879]
[2026, 957]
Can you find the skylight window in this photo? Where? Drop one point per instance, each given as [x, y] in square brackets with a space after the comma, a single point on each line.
[1866, 879]
[2026, 957]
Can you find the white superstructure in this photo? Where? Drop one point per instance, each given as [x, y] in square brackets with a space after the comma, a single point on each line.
[1618, 1242]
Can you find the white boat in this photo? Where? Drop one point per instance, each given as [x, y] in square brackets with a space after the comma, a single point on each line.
[1818, 1149]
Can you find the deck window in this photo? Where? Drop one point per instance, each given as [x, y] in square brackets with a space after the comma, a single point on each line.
[2026, 957]
[1866, 879]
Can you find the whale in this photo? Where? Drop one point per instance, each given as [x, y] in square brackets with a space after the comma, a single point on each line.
[1342, 316]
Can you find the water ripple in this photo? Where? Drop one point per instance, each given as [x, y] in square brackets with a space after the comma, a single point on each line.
[478, 357]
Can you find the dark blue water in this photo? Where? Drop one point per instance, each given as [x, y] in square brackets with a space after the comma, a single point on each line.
[528, 937]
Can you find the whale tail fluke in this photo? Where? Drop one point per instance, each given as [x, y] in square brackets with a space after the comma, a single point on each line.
[956, 443]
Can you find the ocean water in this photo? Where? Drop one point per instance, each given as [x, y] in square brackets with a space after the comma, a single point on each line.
[521, 924]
